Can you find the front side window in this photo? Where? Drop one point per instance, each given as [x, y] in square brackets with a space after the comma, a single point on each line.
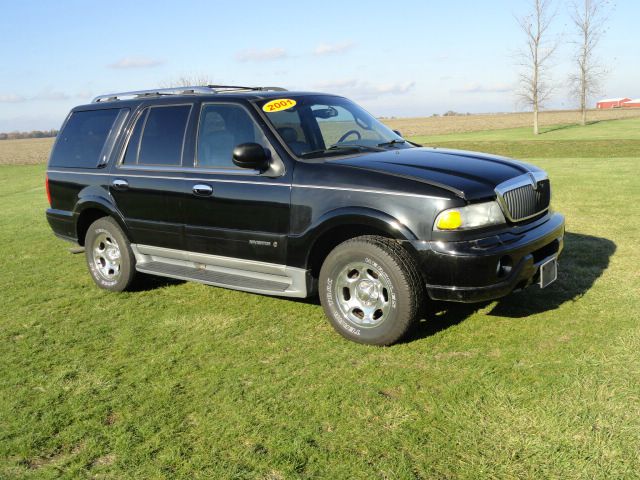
[83, 137]
[222, 127]
[158, 136]
[325, 125]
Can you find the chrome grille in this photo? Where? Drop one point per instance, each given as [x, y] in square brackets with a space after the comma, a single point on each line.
[520, 200]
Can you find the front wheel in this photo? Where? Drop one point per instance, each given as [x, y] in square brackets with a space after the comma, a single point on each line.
[109, 256]
[371, 290]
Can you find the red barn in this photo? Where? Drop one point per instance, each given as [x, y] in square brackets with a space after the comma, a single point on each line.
[612, 102]
[632, 103]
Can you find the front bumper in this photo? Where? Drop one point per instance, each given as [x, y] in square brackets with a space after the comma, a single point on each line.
[490, 267]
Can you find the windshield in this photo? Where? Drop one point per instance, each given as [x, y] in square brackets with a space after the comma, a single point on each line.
[323, 125]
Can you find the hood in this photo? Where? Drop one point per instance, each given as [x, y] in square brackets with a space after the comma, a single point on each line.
[469, 175]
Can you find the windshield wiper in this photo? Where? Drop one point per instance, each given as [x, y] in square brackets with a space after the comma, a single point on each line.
[350, 146]
[395, 141]
[339, 146]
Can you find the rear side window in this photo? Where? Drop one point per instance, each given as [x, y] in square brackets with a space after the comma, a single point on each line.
[83, 138]
[158, 136]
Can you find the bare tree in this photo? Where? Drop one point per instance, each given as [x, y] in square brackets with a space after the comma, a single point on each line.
[190, 80]
[589, 18]
[535, 57]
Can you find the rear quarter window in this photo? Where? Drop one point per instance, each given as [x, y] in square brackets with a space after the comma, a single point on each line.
[83, 138]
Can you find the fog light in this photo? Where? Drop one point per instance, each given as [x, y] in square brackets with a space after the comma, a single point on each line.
[504, 266]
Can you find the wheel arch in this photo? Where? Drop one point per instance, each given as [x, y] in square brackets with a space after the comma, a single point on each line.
[91, 208]
[340, 225]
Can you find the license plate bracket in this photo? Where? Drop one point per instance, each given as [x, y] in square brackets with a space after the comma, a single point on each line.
[548, 272]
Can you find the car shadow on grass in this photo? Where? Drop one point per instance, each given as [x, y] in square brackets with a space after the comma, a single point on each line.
[439, 316]
[583, 260]
[145, 282]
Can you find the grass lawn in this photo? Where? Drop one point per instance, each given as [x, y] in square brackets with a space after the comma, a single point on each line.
[613, 138]
[181, 380]
[624, 129]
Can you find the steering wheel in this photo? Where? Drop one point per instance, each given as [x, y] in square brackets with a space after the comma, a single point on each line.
[350, 132]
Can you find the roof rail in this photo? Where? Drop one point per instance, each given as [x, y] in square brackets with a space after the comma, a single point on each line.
[191, 90]
[148, 93]
[234, 88]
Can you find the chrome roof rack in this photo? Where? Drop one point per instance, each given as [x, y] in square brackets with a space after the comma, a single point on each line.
[191, 90]
[233, 88]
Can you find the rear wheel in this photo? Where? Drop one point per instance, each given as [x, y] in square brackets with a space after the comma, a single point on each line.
[370, 290]
[109, 257]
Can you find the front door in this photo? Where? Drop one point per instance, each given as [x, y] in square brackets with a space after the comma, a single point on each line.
[230, 211]
[146, 183]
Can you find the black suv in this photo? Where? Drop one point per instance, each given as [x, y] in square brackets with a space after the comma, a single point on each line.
[293, 193]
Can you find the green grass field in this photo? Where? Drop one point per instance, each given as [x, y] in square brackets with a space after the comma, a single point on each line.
[607, 139]
[180, 380]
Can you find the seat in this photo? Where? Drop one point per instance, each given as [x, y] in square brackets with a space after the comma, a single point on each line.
[215, 143]
[216, 149]
[290, 136]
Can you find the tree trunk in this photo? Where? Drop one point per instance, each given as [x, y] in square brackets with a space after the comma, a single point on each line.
[583, 97]
[535, 120]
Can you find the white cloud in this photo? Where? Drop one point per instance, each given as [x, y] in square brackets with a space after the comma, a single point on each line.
[394, 88]
[84, 94]
[360, 90]
[480, 88]
[252, 55]
[346, 83]
[11, 98]
[136, 62]
[44, 95]
[51, 95]
[333, 48]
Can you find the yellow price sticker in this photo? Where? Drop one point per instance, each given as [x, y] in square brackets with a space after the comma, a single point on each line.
[278, 105]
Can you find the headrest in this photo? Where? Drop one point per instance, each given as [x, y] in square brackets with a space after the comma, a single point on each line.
[288, 134]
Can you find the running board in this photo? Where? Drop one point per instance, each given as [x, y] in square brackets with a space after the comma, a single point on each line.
[237, 274]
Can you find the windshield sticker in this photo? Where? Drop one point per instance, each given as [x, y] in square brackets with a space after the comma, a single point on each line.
[278, 105]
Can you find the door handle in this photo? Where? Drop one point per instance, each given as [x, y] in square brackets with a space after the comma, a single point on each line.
[202, 190]
[120, 184]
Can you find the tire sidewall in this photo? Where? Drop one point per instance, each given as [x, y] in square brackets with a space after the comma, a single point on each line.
[109, 227]
[395, 324]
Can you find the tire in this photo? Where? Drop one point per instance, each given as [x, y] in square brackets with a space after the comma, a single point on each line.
[371, 290]
[109, 256]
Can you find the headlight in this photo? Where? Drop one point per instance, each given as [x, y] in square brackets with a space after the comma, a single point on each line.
[472, 216]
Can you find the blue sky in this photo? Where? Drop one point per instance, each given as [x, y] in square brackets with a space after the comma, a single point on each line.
[400, 58]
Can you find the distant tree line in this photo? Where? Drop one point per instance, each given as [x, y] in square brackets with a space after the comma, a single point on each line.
[31, 134]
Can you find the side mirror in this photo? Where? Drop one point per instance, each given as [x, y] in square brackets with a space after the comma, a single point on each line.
[397, 132]
[251, 155]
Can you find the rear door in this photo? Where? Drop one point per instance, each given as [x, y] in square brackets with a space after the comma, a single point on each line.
[230, 211]
[147, 180]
